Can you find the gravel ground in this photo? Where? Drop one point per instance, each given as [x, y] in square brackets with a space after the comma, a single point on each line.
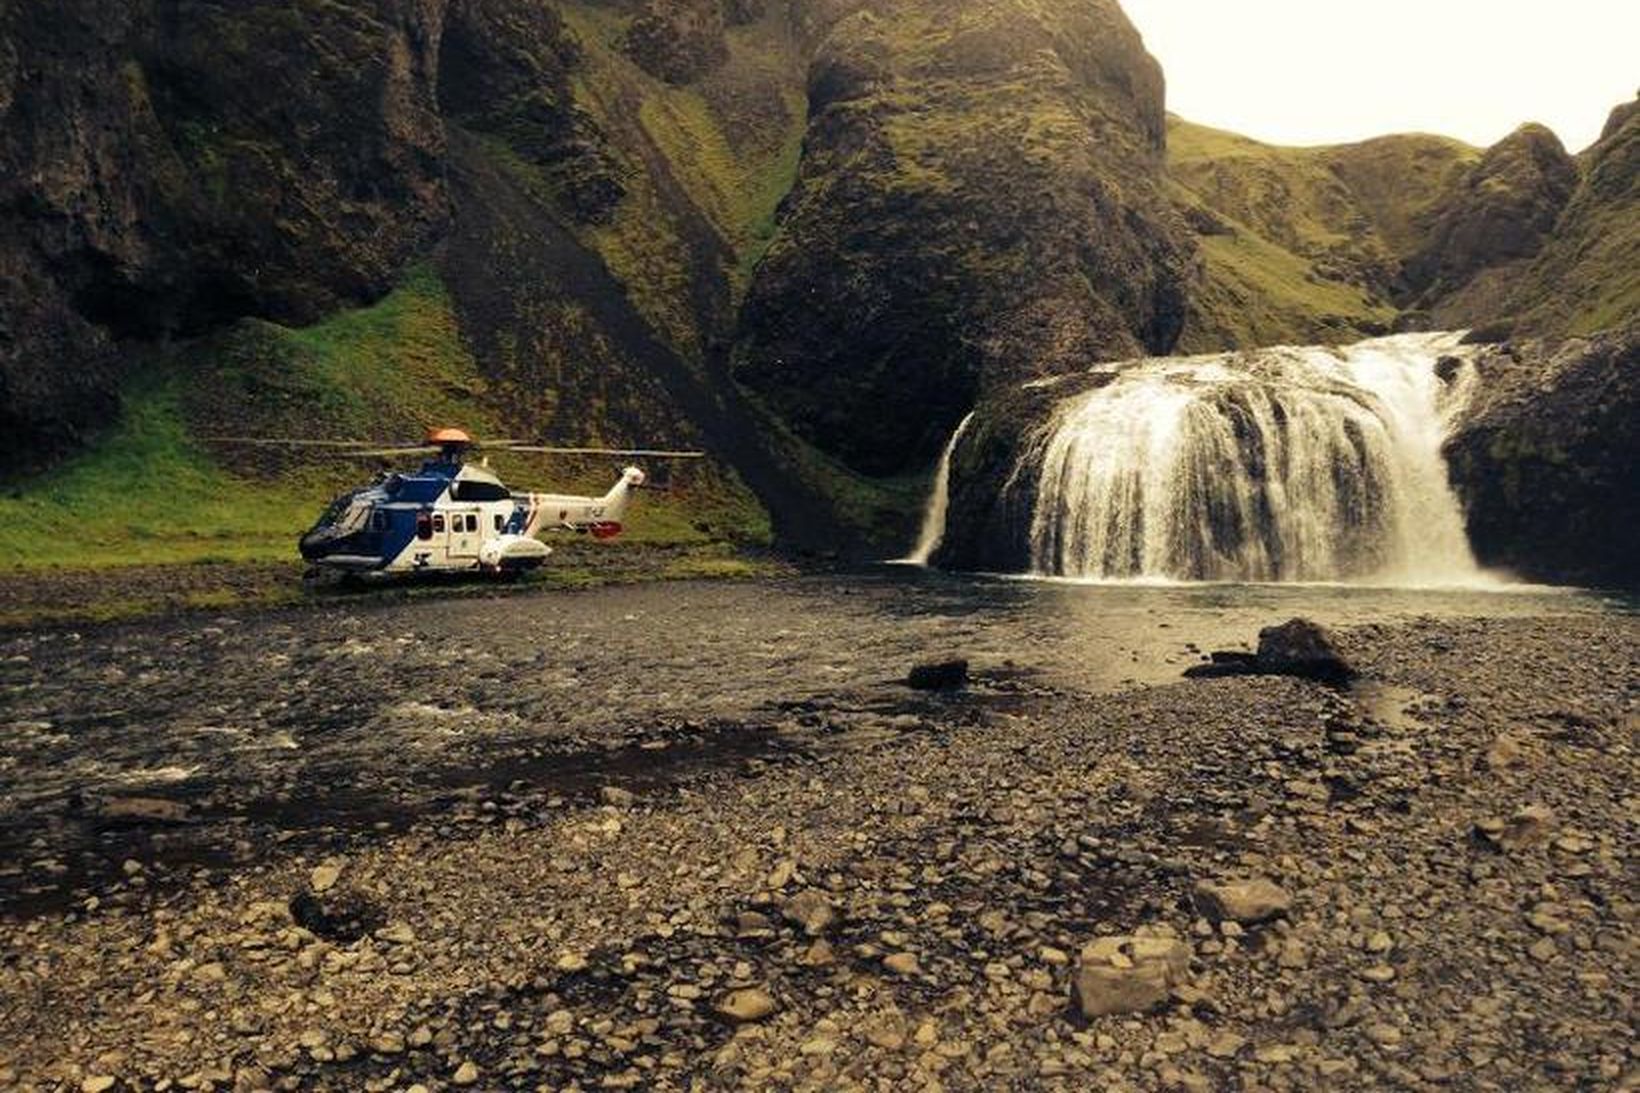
[866, 888]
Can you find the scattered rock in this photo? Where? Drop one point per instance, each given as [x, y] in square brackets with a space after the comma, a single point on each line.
[811, 909]
[1529, 827]
[337, 915]
[617, 797]
[745, 1006]
[902, 963]
[97, 1083]
[324, 877]
[949, 675]
[1128, 974]
[1247, 902]
[1505, 752]
[466, 1074]
[142, 810]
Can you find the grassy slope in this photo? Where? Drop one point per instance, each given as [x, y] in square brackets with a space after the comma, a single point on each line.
[150, 492]
[1308, 238]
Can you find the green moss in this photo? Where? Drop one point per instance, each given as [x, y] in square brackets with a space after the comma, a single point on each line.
[148, 493]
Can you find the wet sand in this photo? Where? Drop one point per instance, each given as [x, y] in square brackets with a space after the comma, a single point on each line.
[576, 827]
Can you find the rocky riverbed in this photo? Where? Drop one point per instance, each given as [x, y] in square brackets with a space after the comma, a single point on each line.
[701, 836]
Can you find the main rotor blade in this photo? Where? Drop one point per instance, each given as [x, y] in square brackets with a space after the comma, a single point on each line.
[424, 449]
[286, 442]
[637, 453]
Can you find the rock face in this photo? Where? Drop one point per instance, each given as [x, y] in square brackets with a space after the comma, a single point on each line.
[1586, 279]
[166, 167]
[1502, 211]
[979, 203]
[1501, 214]
[1544, 462]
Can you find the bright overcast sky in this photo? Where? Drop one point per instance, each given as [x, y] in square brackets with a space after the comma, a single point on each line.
[1326, 71]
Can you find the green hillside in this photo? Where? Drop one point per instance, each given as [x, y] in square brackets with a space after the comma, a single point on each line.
[1302, 244]
[152, 491]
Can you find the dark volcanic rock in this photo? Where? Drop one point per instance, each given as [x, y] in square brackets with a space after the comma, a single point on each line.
[337, 915]
[994, 476]
[979, 203]
[1299, 647]
[1546, 462]
[946, 675]
[504, 70]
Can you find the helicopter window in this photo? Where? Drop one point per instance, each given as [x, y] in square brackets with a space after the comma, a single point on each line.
[472, 521]
[500, 521]
[438, 521]
[424, 526]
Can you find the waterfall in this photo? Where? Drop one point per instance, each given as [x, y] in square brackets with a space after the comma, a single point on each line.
[1284, 464]
[933, 525]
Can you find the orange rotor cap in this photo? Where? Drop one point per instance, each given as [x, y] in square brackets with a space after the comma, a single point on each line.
[448, 436]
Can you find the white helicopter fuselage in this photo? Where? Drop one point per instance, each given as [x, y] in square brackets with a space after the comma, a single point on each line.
[452, 516]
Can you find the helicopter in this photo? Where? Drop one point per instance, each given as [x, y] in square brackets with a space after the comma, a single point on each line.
[452, 515]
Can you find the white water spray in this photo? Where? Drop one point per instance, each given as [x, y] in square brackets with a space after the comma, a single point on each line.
[933, 525]
[1284, 464]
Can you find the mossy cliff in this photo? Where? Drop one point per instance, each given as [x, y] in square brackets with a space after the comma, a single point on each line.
[806, 234]
[1545, 461]
[979, 202]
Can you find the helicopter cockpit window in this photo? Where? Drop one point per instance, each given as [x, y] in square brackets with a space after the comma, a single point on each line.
[500, 521]
[438, 522]
[424, 525]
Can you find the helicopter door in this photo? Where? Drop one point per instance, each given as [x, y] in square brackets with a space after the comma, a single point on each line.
[463, 534]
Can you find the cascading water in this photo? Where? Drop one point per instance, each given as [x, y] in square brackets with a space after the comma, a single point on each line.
[933, 525]
[1285, 464]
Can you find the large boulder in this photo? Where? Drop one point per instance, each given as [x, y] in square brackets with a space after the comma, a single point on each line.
[1300, 647]
[1128, 974]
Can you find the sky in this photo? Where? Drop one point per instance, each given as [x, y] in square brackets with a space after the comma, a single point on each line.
[1329, 71]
